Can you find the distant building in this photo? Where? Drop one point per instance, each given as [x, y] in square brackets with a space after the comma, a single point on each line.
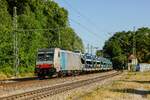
[144, 67]
[132, 63]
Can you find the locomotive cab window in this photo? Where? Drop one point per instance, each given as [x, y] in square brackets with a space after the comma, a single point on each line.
[40, 57]
[49, 56]
[45, 56]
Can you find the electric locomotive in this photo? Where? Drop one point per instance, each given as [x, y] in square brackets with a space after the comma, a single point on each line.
[55, 61]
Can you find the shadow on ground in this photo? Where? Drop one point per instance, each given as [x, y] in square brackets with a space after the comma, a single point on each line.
[142, 82]
[141, 92]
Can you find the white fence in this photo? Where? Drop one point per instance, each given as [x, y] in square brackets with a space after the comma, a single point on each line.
[144, 67]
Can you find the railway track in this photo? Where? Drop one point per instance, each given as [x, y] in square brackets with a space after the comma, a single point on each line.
[16, 81]
[46, 92]
[16, 84]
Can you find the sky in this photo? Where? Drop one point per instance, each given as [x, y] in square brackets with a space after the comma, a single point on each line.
[95, 21]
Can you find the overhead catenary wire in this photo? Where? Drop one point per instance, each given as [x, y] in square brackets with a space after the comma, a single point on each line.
[84, 27]
[80, 14]
[91, 22]
[95, 34]
[87, 29]
[87, 20]
[46, 29]
[121, 40]
[83, 16]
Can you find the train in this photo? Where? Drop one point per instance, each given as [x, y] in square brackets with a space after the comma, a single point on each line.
[59, 62]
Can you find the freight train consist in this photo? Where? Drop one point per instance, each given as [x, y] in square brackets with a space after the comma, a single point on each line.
[55, 61]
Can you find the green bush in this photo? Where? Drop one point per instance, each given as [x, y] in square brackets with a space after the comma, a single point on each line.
[26, 69]
[8, 71]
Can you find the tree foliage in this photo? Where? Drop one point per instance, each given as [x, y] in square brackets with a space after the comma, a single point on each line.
[33, 16]
[99, 53]
[120, 46]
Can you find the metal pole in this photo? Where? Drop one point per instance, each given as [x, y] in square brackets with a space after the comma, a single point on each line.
[88, 48]
[16, 58]
[134, 49]
[91, 49]
[59, 37]
[134, 42]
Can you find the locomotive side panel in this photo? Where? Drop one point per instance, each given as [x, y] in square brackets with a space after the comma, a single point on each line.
[63, 60]
[57, 59]
[70, 61]
[74, 62]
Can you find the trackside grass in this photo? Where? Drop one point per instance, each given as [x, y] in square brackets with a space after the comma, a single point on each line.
[21, 75]
[131, 86]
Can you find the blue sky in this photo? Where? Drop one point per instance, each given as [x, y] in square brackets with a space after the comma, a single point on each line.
[92, 20]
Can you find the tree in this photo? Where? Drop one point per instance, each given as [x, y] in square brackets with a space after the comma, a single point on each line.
[33, 15]
[119, 46]
[99, 53]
